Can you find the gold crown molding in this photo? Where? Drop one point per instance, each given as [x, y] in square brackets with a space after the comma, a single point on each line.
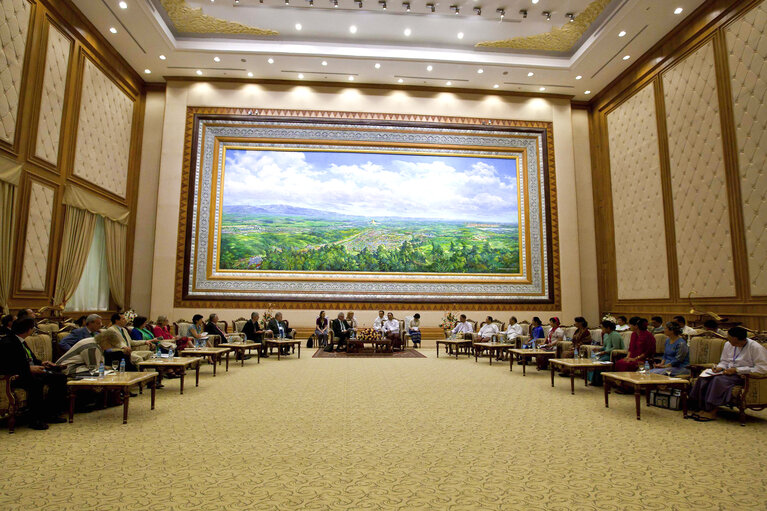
[559, 39]
[192, 21]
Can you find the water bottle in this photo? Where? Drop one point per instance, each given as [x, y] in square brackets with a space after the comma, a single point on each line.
[158, 353]
[646, 367]
[122, 366]
[101, 370]
[576, 354]
[170, 354]
[594, 355]
[533, 344]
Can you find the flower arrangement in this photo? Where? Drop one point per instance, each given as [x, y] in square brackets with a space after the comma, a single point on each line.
[267, 316]
[368, 335]
[608, 316]
[449, 320]
[130, 315]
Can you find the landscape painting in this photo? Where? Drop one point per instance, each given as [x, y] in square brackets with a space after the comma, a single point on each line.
[352, 211]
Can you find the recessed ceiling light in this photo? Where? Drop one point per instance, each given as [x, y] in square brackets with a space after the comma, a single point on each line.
[542, 89]
[400, 80]
[621, 33]
[353, 29]
[535, 1]
[199, 72]
[480, 70]
[429, 67]
[300, 76]
[587, 92]
[578, 77]
[147, 72]
[378, 66]
[449, 84]
[123, 5]
[298, 26]
[351, 78]
[216, 59]
[113, 30]
[162, 57]
[495, 85]
[270, 60]
[324, 62]
[407, 32]
[678, 10]
[460, 35]
[626, 57]
[250, 75]
[530, 74]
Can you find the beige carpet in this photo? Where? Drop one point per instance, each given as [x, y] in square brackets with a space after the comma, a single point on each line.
[355, 434]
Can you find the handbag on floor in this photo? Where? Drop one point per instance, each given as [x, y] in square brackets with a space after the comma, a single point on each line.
[310, 342]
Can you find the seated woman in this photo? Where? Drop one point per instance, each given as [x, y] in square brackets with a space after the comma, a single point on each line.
[740, 356]
[536, 332]
[622, 324]
[197, 331]
[641, 346]
[321, 330]
[556, 334]
[611, 340]
[676, 354]
[87, 354]
[488, 330]
[141, 330]
[414, 329]
[161, 331]
[581, 337]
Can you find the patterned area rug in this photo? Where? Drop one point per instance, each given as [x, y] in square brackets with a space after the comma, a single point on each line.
[369, 353]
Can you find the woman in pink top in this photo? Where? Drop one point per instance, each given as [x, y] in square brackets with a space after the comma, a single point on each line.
[556, 334]
[641, 346]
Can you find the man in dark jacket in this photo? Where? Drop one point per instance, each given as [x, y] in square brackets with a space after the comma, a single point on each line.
[33, 375]
[280, 329]
[341, 332]
[253, 332]
[92, 326]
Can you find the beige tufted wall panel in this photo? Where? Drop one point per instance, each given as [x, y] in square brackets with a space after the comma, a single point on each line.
[104, 132]
[52, 100]
[14, 21]
[640, 248]
[747, 48]
[698, 185]
[34, 271]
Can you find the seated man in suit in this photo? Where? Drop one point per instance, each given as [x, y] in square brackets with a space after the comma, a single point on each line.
[341, 333]
[26, 313]
[91, 328]
[5, 325]
[280, 330]
[17, 358]
[391, 331]
[126, 351]
[211, 327]
[253, 332]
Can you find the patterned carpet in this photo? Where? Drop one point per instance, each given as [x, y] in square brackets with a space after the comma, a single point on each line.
[369, 353]
[366, 433]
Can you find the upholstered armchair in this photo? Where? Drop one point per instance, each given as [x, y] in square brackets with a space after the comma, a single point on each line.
[41, 346]
[11, 401]
[705, 352]
[752, 395]
[525, 327]
[239, 323]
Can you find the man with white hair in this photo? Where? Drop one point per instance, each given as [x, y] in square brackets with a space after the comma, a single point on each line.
[91, 328]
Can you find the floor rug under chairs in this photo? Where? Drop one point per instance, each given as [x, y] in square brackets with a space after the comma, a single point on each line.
[369, 353]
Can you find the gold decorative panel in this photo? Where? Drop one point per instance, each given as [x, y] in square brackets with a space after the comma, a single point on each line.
[559, 39]
[189, 20]
[698, 184]
[52, 99]
[14, 22]
[104, 132]
[640, 248]
[34, 271]
[747, 49]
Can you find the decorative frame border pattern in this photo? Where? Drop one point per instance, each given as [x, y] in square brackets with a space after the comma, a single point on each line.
[199, 146]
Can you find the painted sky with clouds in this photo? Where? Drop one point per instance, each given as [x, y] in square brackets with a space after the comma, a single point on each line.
[375, 185]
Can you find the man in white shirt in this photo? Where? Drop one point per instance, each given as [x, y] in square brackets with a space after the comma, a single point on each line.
[488, 330]
[391, 331]
[686, 330]
[379, 321]
[740, 356]
[463, 327]
[514, 329]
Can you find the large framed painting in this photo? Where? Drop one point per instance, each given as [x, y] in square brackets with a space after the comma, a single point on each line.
[307, 209]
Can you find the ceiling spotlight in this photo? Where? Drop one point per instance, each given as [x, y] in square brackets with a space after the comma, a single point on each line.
[678, 10]
[199, 72]
[147, 72]
[378, 65]
[400, 80]
[570, 16]
[216, 59]
[324, 62]
[113, 30]
[353, 29]
[621, 33]
[478, 11]
[270, 60]
[449, 84]
[523, 13]
[626, 57]
[495, 85]
[530, 74]
[407, 32]
[162, 57]
[429, 67]
[480, 71]
[535, 2]
[236, 2]
[123, 5]
[578, 77]
[250, 75]
[300, 76]
[502, 12]
[406, 5]
[351, 78]
[455, 9]
[460, 35]
[542, 89]
[587, 92]
[382, 3]
[431, 6]
[548, 15]
[298, 26]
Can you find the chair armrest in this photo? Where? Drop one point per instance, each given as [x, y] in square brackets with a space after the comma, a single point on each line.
[7, 396]
[616, 355]
[696, 369]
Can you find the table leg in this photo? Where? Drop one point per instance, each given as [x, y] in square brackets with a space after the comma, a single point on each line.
[647, 395]
[684, 401]
[572, 379]
[279, 352]
[638, 398]
[437, 349]
[524, 366]
[490, 352]
[71, 404]
[243, 359]
[183, 373]
[606, 383]
[455, 347]
[258, 355]
[154, 387]
[511, 362]
[299, 350]
[551, 367]
[586, 377]
[126, 400]
[214, 359]
[227, 361]
[197, 374]
[476, 351]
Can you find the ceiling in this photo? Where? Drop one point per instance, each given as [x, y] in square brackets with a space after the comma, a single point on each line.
[315, 42]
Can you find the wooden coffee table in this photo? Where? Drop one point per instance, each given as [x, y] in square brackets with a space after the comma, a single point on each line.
[182, 363]
[456, 344]
[120, 381]
[240, 347]
[524, 355]
[491, 347]
[214, 354]
[279, 343]
[644, 382]
[572, 366]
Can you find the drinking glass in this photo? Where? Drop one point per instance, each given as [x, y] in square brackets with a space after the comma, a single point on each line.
[115, 364]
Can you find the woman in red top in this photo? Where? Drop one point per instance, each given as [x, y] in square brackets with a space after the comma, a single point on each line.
[161, 330]
[641, 346]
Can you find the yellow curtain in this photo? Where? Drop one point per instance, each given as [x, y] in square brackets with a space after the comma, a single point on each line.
[75, 246]
[115, 241]
[7, 227]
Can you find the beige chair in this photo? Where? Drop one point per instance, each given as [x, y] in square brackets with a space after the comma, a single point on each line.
[705, 352]
[223, 325]
[525, 327]
[239, 324]
[13, 401]
[41, 346]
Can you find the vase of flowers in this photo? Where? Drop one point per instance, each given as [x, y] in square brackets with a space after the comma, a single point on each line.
[449, 320]
[267, 316]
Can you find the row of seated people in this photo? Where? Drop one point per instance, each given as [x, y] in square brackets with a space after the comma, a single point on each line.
[343, 331]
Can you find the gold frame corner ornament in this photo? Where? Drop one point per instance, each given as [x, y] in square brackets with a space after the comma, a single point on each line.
[192, 20]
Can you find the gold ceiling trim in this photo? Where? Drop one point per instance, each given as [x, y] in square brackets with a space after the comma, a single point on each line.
[192, 21]
[559, 39]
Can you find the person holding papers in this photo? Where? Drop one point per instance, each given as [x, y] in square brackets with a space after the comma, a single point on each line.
[414, 329]
[713, 389]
